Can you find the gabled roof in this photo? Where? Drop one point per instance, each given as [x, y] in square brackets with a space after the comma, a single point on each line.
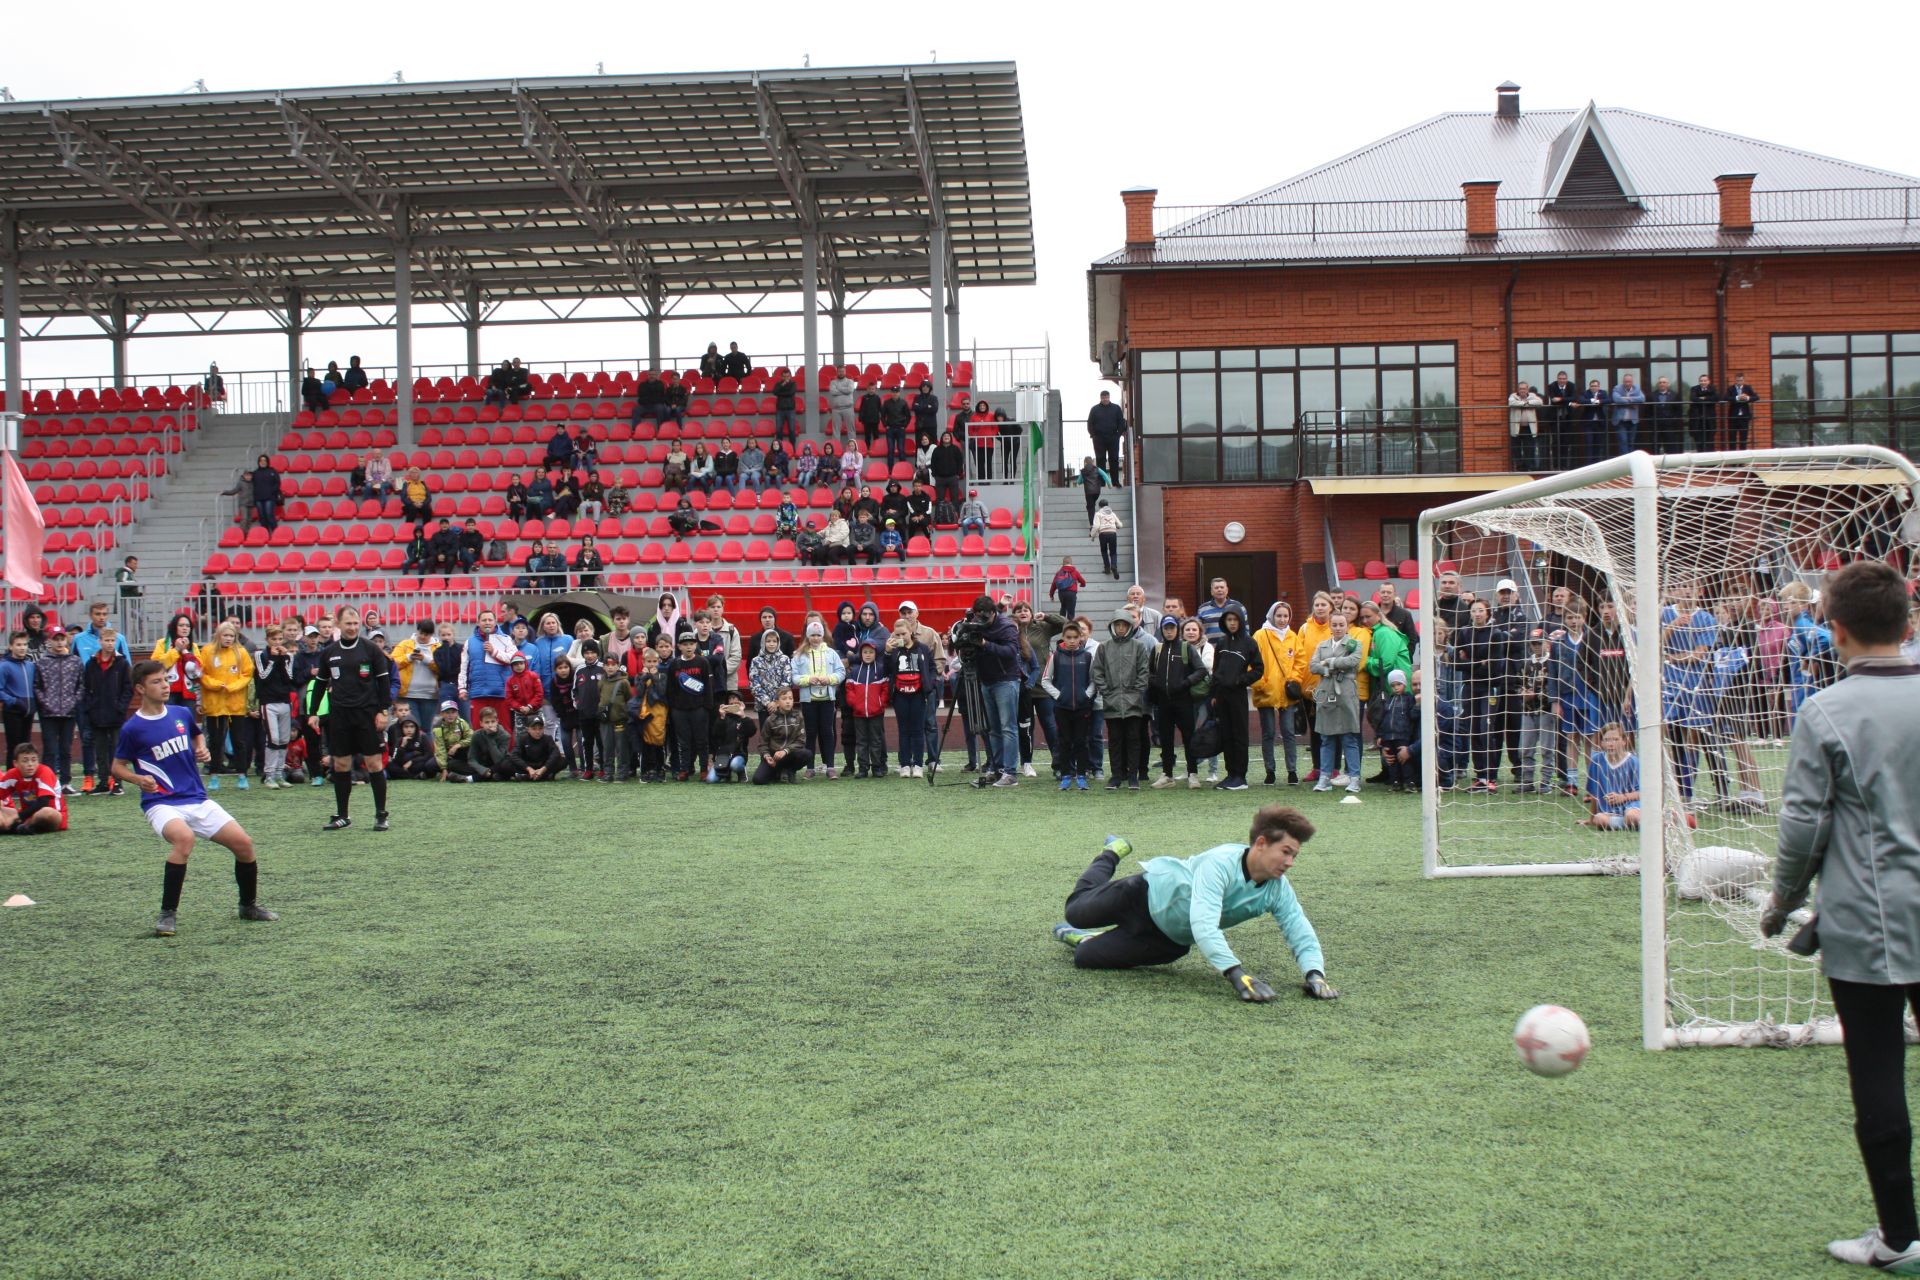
[1399, 198]
[1584, 167]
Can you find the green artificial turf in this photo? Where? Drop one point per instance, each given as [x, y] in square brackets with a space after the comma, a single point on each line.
[821, 1031]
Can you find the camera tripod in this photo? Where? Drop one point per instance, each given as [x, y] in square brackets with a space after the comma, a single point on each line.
[972, 704]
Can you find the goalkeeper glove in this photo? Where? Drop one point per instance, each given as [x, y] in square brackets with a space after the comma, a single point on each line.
[1319, 988]
[1773, 919]
[1248, 987]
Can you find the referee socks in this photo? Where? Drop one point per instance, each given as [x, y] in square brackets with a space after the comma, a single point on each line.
[342, 791]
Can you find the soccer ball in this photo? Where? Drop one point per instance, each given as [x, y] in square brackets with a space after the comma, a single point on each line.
[1551, 1041]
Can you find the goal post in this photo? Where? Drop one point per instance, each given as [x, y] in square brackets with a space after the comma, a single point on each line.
[1720, 556]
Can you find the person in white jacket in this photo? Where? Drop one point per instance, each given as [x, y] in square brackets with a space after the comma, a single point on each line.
[817, 675]
[1106, 529]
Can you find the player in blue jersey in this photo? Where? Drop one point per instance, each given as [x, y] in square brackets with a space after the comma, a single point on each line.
[1613, 783]
[160, 751]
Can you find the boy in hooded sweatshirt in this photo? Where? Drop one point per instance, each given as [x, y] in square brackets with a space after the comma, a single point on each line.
[1069, 682]
[869, 690]
[692, 695]
[59, 685]
[1120, 673]
[1175, 671]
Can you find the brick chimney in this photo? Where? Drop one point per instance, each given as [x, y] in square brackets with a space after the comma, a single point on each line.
[1736, 201]
[1139, 202]
[1483, 219]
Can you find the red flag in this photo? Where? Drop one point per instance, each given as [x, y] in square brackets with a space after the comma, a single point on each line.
[24, 531]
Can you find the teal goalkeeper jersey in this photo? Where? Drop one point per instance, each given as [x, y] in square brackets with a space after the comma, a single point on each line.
[1193, 900]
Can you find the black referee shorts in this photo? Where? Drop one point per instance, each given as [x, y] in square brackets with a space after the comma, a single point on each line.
[353, 733]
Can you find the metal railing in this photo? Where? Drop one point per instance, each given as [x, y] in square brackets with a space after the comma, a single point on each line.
[395, 600]
[995, 369]
[1313, 219]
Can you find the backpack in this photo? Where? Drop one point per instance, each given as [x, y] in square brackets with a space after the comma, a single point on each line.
[496, 552]
[946, 512]
[1204, 689]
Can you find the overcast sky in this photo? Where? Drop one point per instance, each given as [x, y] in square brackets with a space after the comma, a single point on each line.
[1207, 104]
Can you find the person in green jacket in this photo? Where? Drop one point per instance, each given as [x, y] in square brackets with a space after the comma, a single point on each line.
[1177, 904]
[1391, 652]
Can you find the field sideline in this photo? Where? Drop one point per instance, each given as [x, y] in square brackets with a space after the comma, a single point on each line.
[685, 1031]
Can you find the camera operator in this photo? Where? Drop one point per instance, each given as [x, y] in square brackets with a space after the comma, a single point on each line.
[987, 641]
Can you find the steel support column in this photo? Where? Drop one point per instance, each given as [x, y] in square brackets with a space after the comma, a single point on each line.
[953, 318]
[473, 329]
[403, 342]
[10, 316]
[936, 314]
[296, 308]
[838, 315]
[810, 330]
[117, 334]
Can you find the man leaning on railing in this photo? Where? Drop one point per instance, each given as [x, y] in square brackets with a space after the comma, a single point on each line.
[1523, 426]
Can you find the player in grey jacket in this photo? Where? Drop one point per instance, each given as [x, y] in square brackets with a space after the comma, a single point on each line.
[1850, 815]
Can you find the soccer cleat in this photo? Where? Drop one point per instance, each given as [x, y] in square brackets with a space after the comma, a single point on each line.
[1119, 846]
[242, 783]
[167, 925]
[1872, 1250]
[213, 782]
[86, 786]
[1064, 932]
[380, 822]
[337, 823]
[1066, 783]
[115, 790]
[70, 791]
[254, 911]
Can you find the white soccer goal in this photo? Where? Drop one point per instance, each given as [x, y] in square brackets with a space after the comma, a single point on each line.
[1727, 552]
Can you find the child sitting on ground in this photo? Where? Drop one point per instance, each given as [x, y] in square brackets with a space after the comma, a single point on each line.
[1613, 784]
[31, 795]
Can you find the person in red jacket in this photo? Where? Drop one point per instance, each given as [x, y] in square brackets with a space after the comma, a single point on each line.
[1067, 582]
[31, 796]
[525, 694]
[869, 689]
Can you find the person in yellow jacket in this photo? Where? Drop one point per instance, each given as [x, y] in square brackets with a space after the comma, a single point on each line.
[419, 681]
[1313, 631]
[1283, 657]
[226, 675]
[1364, 634]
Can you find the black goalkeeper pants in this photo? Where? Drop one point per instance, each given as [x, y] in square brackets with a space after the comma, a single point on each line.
[1874, 1020]
[1098, 900]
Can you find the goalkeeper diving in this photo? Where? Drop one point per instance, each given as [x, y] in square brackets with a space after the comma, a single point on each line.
[1176, 904]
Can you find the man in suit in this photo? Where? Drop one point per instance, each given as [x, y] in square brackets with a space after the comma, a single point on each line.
[1627, 399]
[1703, 415]
[1668, 415]
[1741, 397]
[1593, 428]
[1562, 451]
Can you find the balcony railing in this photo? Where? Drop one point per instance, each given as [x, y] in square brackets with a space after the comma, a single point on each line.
[1332, 218]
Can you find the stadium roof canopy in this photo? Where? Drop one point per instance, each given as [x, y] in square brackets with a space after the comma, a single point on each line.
[649, 187]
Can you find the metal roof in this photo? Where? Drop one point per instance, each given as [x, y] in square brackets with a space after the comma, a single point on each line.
[1399, 198]
[604, 186]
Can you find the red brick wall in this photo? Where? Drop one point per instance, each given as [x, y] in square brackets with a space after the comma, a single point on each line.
[1461, 303]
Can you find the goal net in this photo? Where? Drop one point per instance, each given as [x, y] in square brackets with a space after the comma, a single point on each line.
[1560, 736]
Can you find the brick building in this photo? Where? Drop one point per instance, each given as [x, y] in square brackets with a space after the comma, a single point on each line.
[1321, 361]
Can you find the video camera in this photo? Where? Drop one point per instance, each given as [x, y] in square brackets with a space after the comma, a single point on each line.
[968, 634]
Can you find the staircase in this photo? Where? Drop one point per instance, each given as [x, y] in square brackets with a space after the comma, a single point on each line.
[167, 535]
[1063, 532]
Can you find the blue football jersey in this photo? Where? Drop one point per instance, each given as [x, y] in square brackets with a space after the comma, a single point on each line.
[162, 748]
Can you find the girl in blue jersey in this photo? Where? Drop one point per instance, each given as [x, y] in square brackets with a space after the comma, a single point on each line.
[1613, 784]
[1687, 636]
[160, 752]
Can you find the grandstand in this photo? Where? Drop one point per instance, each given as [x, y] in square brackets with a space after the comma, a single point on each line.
[843, 187]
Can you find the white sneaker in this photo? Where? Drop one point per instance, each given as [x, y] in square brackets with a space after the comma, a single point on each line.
[1323, 785]
[919, 771]
[906, 771]
[1162, 782]
[1193, 782]
[1871, 1250]
[1026, 770]
[1180, 776]
[1341, 780]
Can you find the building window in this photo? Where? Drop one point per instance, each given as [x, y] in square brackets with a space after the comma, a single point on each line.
[1837, 388]
[1680, 361]
[1276, 413]
[1396, 542]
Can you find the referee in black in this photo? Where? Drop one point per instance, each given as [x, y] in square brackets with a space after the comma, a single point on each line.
[359, 680]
